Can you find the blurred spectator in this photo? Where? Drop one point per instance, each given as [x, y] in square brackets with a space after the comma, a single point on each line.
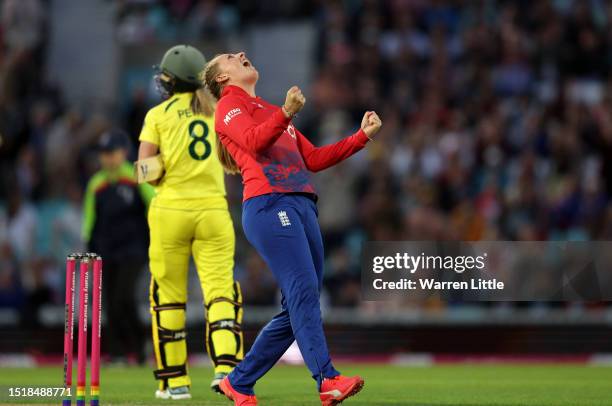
[21, 226]
[496, 118]
[136, 113]
[115, 227]
[11, 292]
[22, 22]
[172, 21]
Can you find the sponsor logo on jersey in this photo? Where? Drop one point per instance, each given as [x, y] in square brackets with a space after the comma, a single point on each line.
[291, 131]
[231, 114]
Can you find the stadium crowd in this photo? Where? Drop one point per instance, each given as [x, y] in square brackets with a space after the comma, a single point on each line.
[497, 126]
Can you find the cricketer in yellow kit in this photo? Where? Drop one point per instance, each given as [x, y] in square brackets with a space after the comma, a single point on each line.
[189, 216]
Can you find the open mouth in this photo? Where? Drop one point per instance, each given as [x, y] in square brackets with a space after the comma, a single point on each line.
[246, 64]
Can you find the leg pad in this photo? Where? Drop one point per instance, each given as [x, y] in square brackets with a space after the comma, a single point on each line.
[232, 325]
[170, 372]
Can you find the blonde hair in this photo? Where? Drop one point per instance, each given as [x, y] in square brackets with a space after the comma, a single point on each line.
[209, 77]
[214, 89]
[202, 102]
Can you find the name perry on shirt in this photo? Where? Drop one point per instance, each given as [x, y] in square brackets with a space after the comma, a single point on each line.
[185, 113]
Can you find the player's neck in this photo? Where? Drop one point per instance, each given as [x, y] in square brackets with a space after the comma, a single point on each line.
[247, 87]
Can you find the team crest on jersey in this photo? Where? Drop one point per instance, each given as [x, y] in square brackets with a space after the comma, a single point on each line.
[291, 131]
[259, 105]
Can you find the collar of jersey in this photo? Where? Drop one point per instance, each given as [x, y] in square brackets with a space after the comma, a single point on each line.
[233, 89]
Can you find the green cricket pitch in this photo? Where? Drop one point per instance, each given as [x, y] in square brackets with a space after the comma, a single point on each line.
[465, 385]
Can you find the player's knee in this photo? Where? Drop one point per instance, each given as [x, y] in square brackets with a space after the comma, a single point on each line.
[304, 292]
[224, 317]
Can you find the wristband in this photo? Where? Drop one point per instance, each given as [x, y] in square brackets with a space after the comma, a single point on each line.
[287, 112]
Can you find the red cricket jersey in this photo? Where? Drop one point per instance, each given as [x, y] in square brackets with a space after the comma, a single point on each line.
[273, 156]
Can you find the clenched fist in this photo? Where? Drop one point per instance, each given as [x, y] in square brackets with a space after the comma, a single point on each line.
[371, 123]
[294, 102]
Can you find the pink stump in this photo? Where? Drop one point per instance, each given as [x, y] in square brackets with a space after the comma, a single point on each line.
[96, 331]
[69, 329]
[82, 343]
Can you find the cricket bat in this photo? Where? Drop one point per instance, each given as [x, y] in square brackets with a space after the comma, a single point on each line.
[149, 169]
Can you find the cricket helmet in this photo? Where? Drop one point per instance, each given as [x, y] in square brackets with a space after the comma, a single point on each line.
[180, 69]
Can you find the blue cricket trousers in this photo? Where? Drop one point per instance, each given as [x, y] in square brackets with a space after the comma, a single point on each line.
[284, 229]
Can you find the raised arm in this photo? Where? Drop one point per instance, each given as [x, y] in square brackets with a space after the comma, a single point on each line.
[233, 119]
[319, 158]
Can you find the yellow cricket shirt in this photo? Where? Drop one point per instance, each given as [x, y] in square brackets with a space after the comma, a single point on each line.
[187, 144]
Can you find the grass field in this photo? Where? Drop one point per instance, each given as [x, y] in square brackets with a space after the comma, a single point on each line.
[465, 385]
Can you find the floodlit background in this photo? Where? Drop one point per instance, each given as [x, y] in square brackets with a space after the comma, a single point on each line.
[497, 126]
